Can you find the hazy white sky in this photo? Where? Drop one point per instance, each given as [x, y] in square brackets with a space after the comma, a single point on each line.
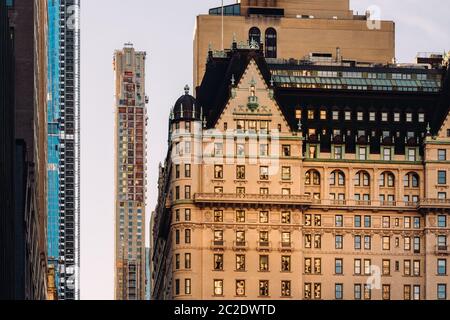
[165, 30]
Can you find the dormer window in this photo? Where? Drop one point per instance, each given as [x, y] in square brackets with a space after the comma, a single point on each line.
[335, 115]
[384, 117]
[397, 117]
[422, 117]
[409, 117]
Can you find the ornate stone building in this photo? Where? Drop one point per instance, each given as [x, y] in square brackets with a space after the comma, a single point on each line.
[320, 178]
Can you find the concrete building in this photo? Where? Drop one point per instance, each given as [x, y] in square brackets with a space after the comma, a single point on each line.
[320, 178]
[25, 125]
[293, 29]
[130, 173]
[63, 138]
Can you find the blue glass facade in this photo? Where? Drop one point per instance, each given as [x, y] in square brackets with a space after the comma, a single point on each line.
[53, 115]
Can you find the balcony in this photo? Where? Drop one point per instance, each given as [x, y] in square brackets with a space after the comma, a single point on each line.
[264, 245]
[232, 198]
[365, 204]
[434, 204]
[285, 246]
[218, 245]
[442, 250]
[240, 245]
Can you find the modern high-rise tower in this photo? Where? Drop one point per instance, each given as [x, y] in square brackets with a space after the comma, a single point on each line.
[63, 169]
[130, 176]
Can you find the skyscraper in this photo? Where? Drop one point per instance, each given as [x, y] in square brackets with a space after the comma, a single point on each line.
[293, 29]
[64, 145]
[130, 173]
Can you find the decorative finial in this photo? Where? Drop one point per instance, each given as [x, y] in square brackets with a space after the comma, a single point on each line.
[299, 125]
[428, 129]
[186, 89]
[204, 122]
[271, 80]
[233, 80]
[253, 82]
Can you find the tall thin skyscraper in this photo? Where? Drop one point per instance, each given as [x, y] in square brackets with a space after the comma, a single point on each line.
[130, 176]
[63, 168]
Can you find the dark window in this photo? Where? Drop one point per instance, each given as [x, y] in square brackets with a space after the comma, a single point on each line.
[271, 43]
[254, 35]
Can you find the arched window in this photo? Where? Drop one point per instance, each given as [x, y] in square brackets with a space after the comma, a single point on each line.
[337, 178]
[312, 177]
[362, 179]
[254, 35]
[387, 179]
[271, 43]
[411, 180]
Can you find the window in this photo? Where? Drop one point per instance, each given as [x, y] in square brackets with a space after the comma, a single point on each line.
[339, 241]
[348, 115]
[240, 190]
[177, 215]
[372, 116]
[416, 245]
[177, 236]
[218, 216]
[367, 221]
[416, 222]
[264, 288]
[442, 242]
[285, 288]
[286, 150]
[367, 242]
[177, 192]
[442, 291]
[240, 288]
[442, 177]
[317, 291]
[218, 190]
[335, 115]
[357, 241]
[286, 217]
[240, 262]
[286, 263]
[240, 172]
[310, 114]
[187, 170]
[407, 243]
[357, 291]
[411, 154]
[218, 149]
[357, 267]
[337, 177]
[218, 237]
[187, 286]
[187, 214]
[263, 191]
[442, 155]
[187, 192]
[397, 117]
[286, 173]
[240, 216]
[312, 177]
[263, 263]
[264, 173]
[367, 292]
[177, 171]
[442, 267]
[386, 243]
[240, 150]
[407, 292]
[409, 117]
[421, 117]
[339, 221]
[387, 154]
[177, 286]
[416, 295]
[357, 222]
[362, 153]
[218, 287]
[386, 222]
[338, 291]
[367, 267]
[407, 222]
[264, 150]
[271, 43]
[386, 292]
[442, 221]
[218, 172]
[338, 266]
[254, 35]
[317, 265]
[187, 236]
[384, 116]
[360, 116]
[386, 267]
[218, 262]
[308, 266]
[177, 262]
[442, 195]
[338, 152]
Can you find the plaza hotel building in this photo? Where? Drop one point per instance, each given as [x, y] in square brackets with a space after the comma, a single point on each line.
[316, 177]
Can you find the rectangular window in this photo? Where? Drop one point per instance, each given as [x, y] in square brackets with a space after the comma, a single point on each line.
[187, 192]
[218, 172]
[339, 291]
[397, 117]
[335, 115]
[187, 236]
[386, 292]
[285, 263]
[240, 172]
[367, 221]
[218, 149]
[263, 263]
[187, 214]
[386, 267]
[357, 222]
[323, 115]
[338, 152]
[286, 150]
[442, 155]
[240, 262]
[177, 286]
[240, 288]
[285, 288]
[362, 154]
[310, 114]
[264, 173]
[416, 244]
[240, 216]
[187, 170]
[218, 262]
[339, 242]
[218, 216]
[177, 171]
[240, 150]
[357, 291]
[187, 286]
[367, 292]
[407, 267]
[264, 150]
[286, 173]
[422, 117]
[177, 262]
[442, 291]
[286, 217]
[411, 154]
[442, 221]
[218, 287]
[264, 288]
[442, 267]
[387, 243]
[360, 116]
[409, 117]
[357, 241]
[338, 266]
[367, 242]
[442, 177]
[357, 267]
[407, 292]
[372, 116]
[387, 154]
[339, 221]
[416, 295]
[348, 116]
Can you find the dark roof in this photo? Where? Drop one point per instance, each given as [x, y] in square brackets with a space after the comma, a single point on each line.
[214, 92]
[185, 108]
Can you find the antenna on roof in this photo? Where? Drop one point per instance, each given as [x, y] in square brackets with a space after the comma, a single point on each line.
[222, 26]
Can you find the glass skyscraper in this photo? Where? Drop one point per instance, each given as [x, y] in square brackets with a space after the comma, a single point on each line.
[63, 168]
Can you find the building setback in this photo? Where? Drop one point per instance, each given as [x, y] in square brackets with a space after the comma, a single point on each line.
[284, 175]
[63, 168]
[130, 174]
[294, 28]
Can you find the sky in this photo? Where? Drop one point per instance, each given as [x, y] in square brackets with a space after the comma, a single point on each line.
[164, 29]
